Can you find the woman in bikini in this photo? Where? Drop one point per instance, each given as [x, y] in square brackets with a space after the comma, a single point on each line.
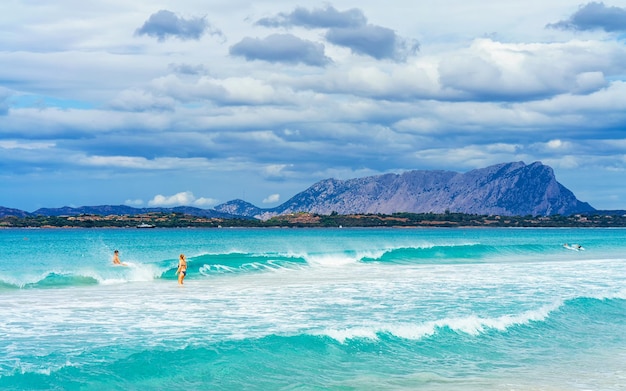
[182, 268]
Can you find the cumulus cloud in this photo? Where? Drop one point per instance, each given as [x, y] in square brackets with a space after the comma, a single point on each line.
[164, 24]
[272, 198]
[594, 16]
[486, 70]
[285, 48]
[178, 199]
[318, 18]
[348, 29]
[490, 70]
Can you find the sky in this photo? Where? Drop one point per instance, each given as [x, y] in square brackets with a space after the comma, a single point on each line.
[195, 102]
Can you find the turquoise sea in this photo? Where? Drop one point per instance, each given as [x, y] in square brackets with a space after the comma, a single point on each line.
[313, 309]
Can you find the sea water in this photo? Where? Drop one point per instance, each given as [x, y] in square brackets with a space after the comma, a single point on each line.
[313, 309]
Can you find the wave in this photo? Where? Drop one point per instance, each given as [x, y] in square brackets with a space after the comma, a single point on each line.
[53, 280]
[81, 278]
[238, 262]
[204, 265]
[213, 264]
[245, 262]
[233, 263]
[434, 254]
[470, 325]
[458, 253]
[209, 264]
[336, 359]
[574, 316]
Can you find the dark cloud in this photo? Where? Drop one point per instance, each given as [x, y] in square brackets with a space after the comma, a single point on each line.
[165, 24]
[318, 18]
[375, 41]
[348, 29]
[594, 16]
[281, 48]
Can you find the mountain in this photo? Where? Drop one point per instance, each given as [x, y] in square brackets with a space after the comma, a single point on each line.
[240, 208]
[96, 210]
[514, 189]
[5, 212]
[104, 210]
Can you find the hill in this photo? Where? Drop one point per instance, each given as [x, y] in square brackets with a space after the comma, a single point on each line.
[4, 212]
[105, 210]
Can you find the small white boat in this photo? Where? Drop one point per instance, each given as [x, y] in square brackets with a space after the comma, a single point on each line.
[144, 225]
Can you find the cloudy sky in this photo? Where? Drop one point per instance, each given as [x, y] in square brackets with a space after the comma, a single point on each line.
[195, 102]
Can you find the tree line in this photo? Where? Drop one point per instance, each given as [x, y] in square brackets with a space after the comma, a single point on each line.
[447, 219]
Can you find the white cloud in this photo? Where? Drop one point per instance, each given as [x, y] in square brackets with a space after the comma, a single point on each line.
[136, 202]
[185, 198]
[182, 198]
[275, 170]
[555, 144]
[514, 71]
[205, 202]
[272, 198]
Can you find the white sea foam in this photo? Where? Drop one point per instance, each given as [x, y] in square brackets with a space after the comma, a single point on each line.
[341, 335]
[472, 325]
[207, 269]
[331, 260]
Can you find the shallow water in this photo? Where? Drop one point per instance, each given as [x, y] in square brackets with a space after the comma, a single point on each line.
[313, 309]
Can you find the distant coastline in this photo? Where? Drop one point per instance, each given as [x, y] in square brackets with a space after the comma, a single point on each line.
[303, 220]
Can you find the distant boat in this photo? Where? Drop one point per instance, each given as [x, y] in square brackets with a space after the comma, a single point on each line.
[144, 225]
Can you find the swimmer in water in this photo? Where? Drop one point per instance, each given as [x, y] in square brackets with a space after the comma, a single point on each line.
[116, 259]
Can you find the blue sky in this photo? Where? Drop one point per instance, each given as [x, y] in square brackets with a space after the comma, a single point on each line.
[189, 102]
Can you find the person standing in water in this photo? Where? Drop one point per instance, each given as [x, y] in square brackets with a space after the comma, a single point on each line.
[182, 268]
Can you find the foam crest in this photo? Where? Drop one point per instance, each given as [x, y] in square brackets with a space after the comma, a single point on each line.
[472, 325]
[131, 273]
[270, 265]
[206, 270]
[342, 335]
[475, 325]
[331, 260]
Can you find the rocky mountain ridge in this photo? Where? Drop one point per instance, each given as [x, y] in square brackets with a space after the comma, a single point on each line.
[503, 189]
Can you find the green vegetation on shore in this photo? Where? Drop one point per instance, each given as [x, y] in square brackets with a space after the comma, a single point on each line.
[176, 220]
